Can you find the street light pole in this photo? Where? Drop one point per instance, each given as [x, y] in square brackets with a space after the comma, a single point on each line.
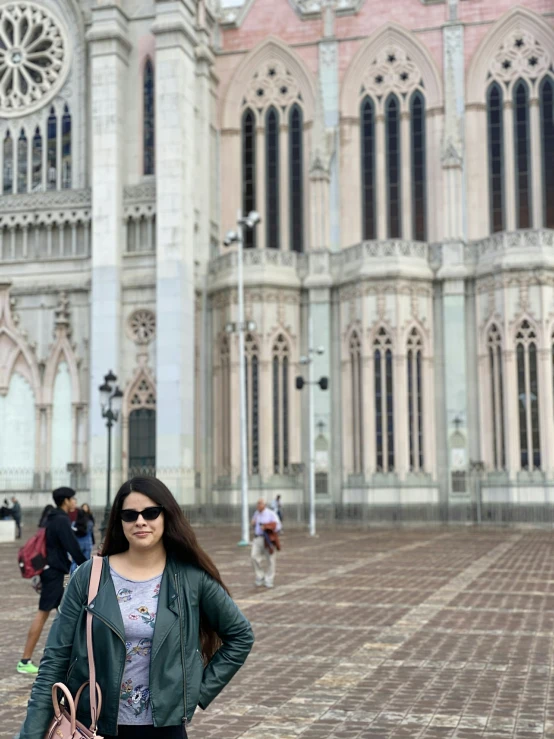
[110, 402]
[312, 425]
[242, 379]
[236, 237]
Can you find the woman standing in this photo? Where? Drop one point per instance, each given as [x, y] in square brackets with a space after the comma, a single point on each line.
[167, 635]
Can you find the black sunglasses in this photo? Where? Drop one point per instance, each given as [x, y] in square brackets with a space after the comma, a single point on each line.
[149, 514]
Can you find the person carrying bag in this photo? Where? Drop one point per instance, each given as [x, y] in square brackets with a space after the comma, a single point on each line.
[167, 635]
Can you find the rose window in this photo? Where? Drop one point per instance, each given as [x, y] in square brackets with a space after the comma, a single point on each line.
[142, 326]
[33, 57]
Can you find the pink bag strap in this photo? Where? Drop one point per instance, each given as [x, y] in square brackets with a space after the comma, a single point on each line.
[92, 592]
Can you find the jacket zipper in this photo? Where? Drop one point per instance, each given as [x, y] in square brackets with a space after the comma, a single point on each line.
[121, 671]
[183, 655]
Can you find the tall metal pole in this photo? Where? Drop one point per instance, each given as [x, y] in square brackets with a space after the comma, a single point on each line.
[311, 420]
[242, 380]
[109, 471]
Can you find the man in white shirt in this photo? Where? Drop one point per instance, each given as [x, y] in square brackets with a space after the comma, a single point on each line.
[264, 561]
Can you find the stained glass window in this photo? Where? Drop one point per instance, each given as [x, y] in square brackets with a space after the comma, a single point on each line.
[356, 378]
[369, 216]
[148, 118]
[272, 178]
[496, 158]
[249, 172]
[547, 126]
[419, 196]
[415, 400]
[496, 395]
[384, 403]
[52, 151]
[296, 179]
[393, 168]
[22, 167]
[36, 160]
[528, 397]
[522, 156]
[280, 405]
[8, 163]
[66, 149]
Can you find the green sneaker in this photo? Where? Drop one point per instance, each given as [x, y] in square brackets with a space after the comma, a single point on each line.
[27, 669]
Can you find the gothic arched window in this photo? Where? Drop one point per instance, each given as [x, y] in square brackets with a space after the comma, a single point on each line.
[66, 149]
[249, 172]
[356, 376]
[280, 366]
[496, 157]
[392, 120]
[22, 146]
[384, 406]
[148, 118]
[528, 397]
[547, 131]
[252, 356]
[52, 151]
[369, 215]
[522, 155]
[272, 177]
[415, 399]
[36, 160]
[224, 422]
[8, 164]
[419, 196]
[296, 179]
[496, 395]
[142, 430]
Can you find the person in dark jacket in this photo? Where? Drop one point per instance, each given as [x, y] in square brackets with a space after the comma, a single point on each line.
[167, 637]
[16, 514]
[60, 540]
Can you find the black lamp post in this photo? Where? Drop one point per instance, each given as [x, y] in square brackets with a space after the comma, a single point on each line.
[110, 402]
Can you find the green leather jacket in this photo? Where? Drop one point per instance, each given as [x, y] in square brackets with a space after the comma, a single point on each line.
[179, 681]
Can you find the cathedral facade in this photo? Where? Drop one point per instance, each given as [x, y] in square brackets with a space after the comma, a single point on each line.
[401, 158]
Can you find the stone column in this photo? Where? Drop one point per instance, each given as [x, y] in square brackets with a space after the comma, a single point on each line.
[109, 50]
[175, 289]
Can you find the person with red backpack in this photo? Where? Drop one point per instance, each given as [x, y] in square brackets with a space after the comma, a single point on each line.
[60, 541]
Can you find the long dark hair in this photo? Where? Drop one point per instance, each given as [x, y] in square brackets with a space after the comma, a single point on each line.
[179, 540]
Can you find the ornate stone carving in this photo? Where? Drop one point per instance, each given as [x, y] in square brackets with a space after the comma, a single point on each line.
[141, 326]
[521, 55]
[391, 71]
[62, 315]
[143, 395]
[45, 200]
[274, 85]
[144, 192]
[34, 58]
[315, 8]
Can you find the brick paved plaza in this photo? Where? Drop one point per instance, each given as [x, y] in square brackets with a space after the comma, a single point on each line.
[381, 633]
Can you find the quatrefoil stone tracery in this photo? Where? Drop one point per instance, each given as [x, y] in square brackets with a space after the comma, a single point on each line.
[392, 71]
[34, 58]
[272, 85]
[521, 55]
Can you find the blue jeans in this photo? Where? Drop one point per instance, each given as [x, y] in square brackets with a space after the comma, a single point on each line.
[85, 545]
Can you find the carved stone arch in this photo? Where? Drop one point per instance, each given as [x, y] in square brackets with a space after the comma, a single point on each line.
[15, 353]
[417, 57]
[271, 49]
[274, 336]
[417, 326]
[140, 392]
[61, 351]
[354, 328]
[526, 323]
[517, 19]
[375, 332]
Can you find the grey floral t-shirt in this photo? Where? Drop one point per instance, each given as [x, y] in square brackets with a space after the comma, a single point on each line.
[138, 601]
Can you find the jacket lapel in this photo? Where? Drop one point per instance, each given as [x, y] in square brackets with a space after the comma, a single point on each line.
[105, 605]
[168, 609]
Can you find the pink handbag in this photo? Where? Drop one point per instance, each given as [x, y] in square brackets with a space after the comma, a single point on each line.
[64, 724]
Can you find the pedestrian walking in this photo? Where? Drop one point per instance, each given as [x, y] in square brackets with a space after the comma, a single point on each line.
[278, 508]
[265, 545]
[60, 540]
[16, 514]
[83, 528]
[166, 632]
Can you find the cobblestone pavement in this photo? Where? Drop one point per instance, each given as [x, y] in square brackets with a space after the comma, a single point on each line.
[383, 633]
